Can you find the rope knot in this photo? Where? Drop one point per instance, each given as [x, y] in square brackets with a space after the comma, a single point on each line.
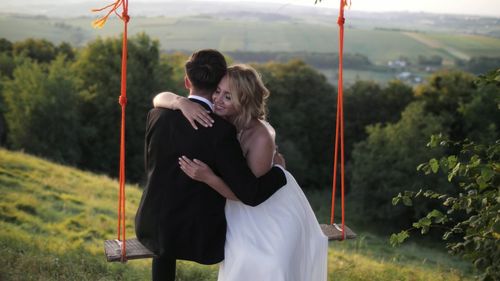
[341, 21]
[125, 17]
[122, 100]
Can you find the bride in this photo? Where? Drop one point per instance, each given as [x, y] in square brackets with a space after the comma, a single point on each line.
[280, 239]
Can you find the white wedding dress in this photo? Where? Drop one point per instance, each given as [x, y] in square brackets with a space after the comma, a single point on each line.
[278, 240]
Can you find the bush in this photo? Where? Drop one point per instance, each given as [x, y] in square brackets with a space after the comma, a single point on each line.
[473, 215]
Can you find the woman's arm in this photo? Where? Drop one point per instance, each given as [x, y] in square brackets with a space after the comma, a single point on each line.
[191, 110]
[200, 171]
[168, 100]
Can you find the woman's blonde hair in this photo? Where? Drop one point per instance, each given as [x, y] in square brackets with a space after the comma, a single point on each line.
[248, 94]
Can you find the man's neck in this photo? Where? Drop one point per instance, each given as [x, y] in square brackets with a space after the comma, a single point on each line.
[203, 99]
[202, 94]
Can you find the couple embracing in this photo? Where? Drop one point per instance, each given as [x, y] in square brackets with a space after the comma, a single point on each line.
[217, 190]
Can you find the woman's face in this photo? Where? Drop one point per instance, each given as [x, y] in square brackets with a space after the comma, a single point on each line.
[223, 104]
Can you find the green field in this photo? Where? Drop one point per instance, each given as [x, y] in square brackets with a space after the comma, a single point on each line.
[54, 219]
[247, 34]
[473, 45]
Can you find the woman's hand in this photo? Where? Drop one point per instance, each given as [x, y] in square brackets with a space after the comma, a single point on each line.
[192, 111]
[195, 112]
[196, 169]
[279, 159]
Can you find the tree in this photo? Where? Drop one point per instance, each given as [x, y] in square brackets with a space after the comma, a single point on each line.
[473, 215]
[385, 163]
[5, 46]
[367, 103]
[6, 60]
[444, 94]
[98, 68]
[302, 108]
[40, 50]
[481, 115]
[67, 50]
[468, 107]
[481, 65]
[41, 115]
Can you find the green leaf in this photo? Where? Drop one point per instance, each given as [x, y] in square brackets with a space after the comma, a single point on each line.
[452, 160]
[454, 172]
[395, 200]
[407, 201]
[435, 140]
[422, 223]
[418, 193]
[437, 216]
[424, 230]
[474, 161]
[487, 173]
[447, 235]
[419, 167]
[481, 183]
[397, 239]
[434, 165]
[434, 214]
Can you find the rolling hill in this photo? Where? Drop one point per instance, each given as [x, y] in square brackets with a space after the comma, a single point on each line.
[254, 34]
[54, 219]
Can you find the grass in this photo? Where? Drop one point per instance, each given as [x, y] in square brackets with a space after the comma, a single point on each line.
[54, 219]
[473, 45]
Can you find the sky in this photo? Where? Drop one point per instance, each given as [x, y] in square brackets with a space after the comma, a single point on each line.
[466, 7]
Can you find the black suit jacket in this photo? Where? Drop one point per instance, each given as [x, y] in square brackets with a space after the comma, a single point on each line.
[181, 218]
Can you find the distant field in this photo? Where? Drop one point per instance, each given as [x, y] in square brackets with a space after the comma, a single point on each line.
[247, 34]
[351, 76]
[473, 45]
[17, 28]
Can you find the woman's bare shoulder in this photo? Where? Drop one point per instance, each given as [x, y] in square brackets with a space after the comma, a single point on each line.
[261, 134]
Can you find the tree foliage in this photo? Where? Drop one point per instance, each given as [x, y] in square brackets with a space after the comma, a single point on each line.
[302, 108]
[40, 50]
[451, 103]
[367, 103]
[470, 214]
[444, 94]
[473, 215]
[384, 163]
[98, 68]
[40, 113]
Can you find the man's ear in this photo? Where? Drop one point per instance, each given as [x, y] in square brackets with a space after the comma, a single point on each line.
[187, 83]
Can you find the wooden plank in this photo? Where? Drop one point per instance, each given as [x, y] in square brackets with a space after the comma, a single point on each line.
[134, 250]
[334, 232]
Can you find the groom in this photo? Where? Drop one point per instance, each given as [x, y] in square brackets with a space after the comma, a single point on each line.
[179, 218]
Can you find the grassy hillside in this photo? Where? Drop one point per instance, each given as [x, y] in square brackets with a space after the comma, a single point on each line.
[54, 219]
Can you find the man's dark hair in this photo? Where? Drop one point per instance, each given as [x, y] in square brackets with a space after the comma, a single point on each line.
[205, 68]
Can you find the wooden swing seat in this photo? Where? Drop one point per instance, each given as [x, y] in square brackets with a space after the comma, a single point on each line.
[334, 232]
[135, 250]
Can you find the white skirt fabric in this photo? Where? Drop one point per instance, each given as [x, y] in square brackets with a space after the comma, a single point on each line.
[278, 240]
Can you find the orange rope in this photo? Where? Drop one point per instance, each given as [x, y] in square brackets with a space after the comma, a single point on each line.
[339, 127]
[99, 23]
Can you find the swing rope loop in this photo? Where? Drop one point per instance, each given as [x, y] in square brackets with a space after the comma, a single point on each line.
[339, 127]
[99, 23]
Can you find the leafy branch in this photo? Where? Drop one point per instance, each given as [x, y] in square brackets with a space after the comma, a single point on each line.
[475, 170]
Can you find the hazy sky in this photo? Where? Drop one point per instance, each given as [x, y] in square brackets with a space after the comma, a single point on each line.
[471, 7]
